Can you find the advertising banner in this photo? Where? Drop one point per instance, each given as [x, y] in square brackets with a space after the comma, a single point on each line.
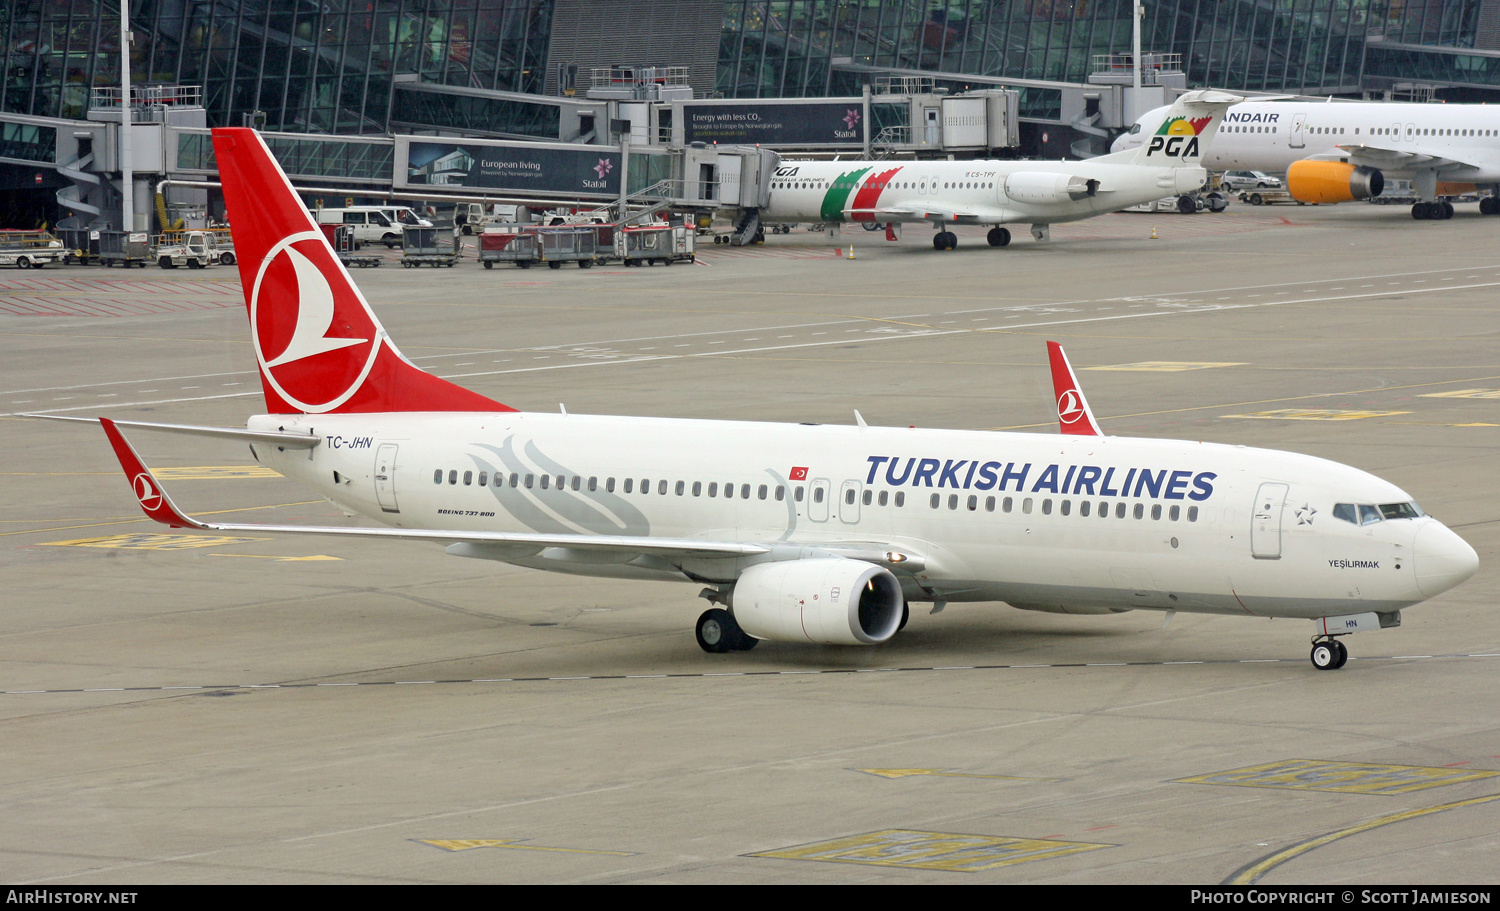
[517, 167]
[839, 122]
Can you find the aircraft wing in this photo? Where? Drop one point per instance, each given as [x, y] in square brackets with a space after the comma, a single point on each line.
[157, 505]
[935, 211]
[1403, 159]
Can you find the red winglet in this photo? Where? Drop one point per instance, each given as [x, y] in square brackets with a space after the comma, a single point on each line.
[148, 491]
[1073, 414]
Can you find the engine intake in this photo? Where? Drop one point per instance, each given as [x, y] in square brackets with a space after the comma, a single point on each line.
[827, 600]
[1047, 186]
[1332, 181]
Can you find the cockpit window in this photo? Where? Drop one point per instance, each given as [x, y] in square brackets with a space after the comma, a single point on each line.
[1365, 514]
[1368, 514]
[1135, 128]
[1401, 511]
[1347, 512]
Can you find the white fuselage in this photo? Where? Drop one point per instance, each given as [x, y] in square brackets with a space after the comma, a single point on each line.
[966, 192]
[1064, 523]
[1271, 135]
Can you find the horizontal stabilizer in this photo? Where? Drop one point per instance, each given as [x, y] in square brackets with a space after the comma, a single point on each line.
[284, 440]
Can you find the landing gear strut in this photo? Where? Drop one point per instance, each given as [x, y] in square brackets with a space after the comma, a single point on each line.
[1329, 654]
[718, 633]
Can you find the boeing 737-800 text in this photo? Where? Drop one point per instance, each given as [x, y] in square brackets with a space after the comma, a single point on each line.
[802, 533]
[1341, 151]
[946, 193]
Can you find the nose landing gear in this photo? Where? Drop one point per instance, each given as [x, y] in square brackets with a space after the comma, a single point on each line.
[1329, 654]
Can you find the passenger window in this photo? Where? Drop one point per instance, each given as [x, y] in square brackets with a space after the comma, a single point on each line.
[989, 504]
[529, 479]
[799, 494]
[729, 491]
[681, 485]
[1026, 506]
[1192, 513]
[780, 493]
[453, 477]
[900, 498]
[1120, 510]
[1067, 506]
[1046, 506]
[468, 479]
[761, 493]
[561, 481]
[1083, 508]
[629, 483]
[1156, 512]
[609, 485]
[546, 479]
[848, 494]
[1103, 510]
[884, 497]
[952, 501]
[1140, 510]
[1005, 504]
[868, 498]
[437, 476]
[661, 487]
[713, 488]
[1174, 512]
[697, 488]
[645, 485]
[973, 503]
[515, 479]
[577, 481]
[817, 494]
[936, 498]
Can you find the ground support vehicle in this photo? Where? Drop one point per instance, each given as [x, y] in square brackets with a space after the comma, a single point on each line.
[509, 244]
[128, 249]
[420, 247]
[29, 249]
[192, 249]
[651, 244]
[1268, 197]
[571, 244]
[373, 224]
[341, 239]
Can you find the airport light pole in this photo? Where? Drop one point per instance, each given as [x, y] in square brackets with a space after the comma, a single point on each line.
[127, 178]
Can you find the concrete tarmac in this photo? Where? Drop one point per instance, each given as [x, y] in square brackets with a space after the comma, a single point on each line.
[257, 709]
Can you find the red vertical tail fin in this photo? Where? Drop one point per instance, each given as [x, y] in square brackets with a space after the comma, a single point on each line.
[320, 347]
[1073, 413]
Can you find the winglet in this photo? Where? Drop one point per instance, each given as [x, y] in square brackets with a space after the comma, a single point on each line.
[148, 490]
[1073, 414]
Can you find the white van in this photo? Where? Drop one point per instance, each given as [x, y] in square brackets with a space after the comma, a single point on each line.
[374, 224]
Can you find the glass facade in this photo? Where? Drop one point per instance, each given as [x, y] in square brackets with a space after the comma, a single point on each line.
[797, 47]
[326, 66]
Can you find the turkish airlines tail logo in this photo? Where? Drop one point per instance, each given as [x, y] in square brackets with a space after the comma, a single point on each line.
[1073, 414]
[320, 346]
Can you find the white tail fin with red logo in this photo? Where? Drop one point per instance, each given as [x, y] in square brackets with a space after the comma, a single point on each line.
[1073, 413]
[320, 347]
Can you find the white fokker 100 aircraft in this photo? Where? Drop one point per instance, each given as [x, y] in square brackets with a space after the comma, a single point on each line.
[803, 533]
[1341, 151]
[946, 193]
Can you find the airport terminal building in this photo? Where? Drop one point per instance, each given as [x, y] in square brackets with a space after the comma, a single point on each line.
[346, 66]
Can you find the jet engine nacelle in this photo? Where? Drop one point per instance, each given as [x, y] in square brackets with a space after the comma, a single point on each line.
[827, 600]
[1046, 186]
[1332, 181]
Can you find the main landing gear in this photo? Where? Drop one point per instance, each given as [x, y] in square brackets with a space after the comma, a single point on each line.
[1489, 205]
[1434, 211]
[718, 632]
[999, 237]
[944, 240]
[1329, 654]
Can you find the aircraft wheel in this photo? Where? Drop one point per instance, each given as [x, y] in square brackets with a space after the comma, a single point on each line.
[1447, 209]
[1343, 656]
[1487, 205]
[999, 237]
[1325, 656]
[905, 616]
[1186, 205]
[872, 226]
[1420, 212]
[717, 632]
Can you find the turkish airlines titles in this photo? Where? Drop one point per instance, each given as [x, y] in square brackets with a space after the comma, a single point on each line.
[1079, 480]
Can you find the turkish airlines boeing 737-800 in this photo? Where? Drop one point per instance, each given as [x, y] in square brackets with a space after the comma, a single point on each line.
[817, 534]
[1341, 151]
[945, 193]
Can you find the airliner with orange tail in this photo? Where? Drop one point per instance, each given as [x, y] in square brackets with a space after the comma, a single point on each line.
[1342, 151]
[946, 193]
[794, 533]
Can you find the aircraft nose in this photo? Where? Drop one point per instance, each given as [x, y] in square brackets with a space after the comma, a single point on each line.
[1443, 559]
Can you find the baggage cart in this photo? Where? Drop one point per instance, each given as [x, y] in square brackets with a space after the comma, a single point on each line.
[341, 239]
[80, 245]
[419, 246]
[652, 244]
[127, 248]
[508, 245]
[569, 243]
